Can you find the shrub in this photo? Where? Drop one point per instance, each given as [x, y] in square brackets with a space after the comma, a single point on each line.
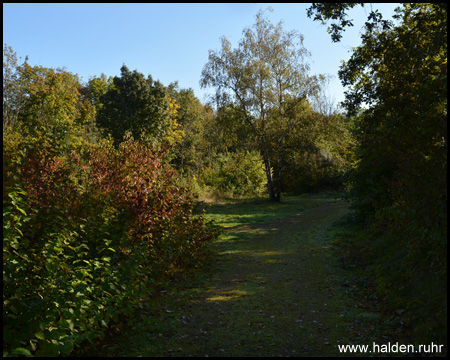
[85, 235]
[236, 175]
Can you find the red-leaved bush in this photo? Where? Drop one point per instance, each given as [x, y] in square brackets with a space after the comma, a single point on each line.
[86, 232]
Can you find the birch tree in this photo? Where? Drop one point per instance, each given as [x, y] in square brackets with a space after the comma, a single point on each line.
[264, 77]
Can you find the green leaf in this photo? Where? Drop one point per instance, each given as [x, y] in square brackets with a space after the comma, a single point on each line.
[21, 351]
[40, 336]
[22, 211]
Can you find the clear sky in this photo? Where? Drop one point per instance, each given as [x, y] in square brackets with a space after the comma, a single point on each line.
[168, 41]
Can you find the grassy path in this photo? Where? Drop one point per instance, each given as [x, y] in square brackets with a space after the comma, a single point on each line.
[275, 289]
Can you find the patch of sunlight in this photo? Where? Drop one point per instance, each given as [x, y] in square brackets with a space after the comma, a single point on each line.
[230, 224]
[270, 257]
[273, 229]
[230, 220]
[228, 295]
[270, 253]
[228, 252]
[270, 261]
[225, 238]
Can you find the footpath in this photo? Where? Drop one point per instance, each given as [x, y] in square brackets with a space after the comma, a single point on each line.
[277, 291]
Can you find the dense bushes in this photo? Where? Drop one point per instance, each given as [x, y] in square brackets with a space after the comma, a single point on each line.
[86, 233]
[400, 184]
[323, 163]
[398, 85]
[236, 175]
[313, 171]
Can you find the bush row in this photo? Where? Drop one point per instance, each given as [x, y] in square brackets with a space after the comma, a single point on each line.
[86, 232]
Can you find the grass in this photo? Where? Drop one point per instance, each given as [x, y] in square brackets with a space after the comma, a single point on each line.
[270, 285]
[234, 212]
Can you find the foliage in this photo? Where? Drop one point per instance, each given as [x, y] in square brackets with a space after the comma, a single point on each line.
[263, 78]
[235, 175]
[36, 98]
[326, 156]
[213, 157]
[13, 89]
[399, 186]
[91, 93]
[136, 104]
[97, 87]
[337, 11]
[51, 98]
[201, 134]
[85, 236]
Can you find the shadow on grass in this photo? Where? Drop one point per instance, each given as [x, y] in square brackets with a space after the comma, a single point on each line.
[232, 212]
[268, 294]
[267, 290]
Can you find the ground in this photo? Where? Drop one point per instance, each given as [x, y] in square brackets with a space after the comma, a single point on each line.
[273, 287]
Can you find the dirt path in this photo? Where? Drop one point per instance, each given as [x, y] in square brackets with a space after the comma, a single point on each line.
[277, 293]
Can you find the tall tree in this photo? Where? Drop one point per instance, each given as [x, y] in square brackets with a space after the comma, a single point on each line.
[400, 185]
[137, 104]
[54, 101]
[14, 89]
[190, 117]
[264, 76]
[36, 98]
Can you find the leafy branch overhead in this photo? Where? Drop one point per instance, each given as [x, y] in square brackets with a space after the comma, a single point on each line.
[337, 12]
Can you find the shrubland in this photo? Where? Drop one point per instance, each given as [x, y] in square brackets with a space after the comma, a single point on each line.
[89, 224]
[85, 236]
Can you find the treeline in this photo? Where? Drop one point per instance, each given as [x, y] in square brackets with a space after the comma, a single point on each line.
[399, 187]
[101, 178]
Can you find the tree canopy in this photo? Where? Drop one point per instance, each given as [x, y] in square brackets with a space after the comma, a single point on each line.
[263, 79]
[137, 104]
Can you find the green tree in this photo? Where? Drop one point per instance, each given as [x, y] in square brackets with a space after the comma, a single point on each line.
[320, 151]
[136, 104]
[14, 89]
[400, 185]
[190, 116]
[90, 98]
[265, 75]
[36, 98]
[54, 101]
[97, 87]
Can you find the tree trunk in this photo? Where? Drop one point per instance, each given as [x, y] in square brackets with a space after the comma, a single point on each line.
[269, 178]
[280, 169]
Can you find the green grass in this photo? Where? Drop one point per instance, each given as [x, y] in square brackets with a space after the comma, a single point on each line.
[232, 212]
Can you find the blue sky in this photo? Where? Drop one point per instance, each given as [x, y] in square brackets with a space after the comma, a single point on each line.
[168, 41]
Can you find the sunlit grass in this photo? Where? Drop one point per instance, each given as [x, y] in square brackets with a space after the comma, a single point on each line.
[231, 213]
[228, 295]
